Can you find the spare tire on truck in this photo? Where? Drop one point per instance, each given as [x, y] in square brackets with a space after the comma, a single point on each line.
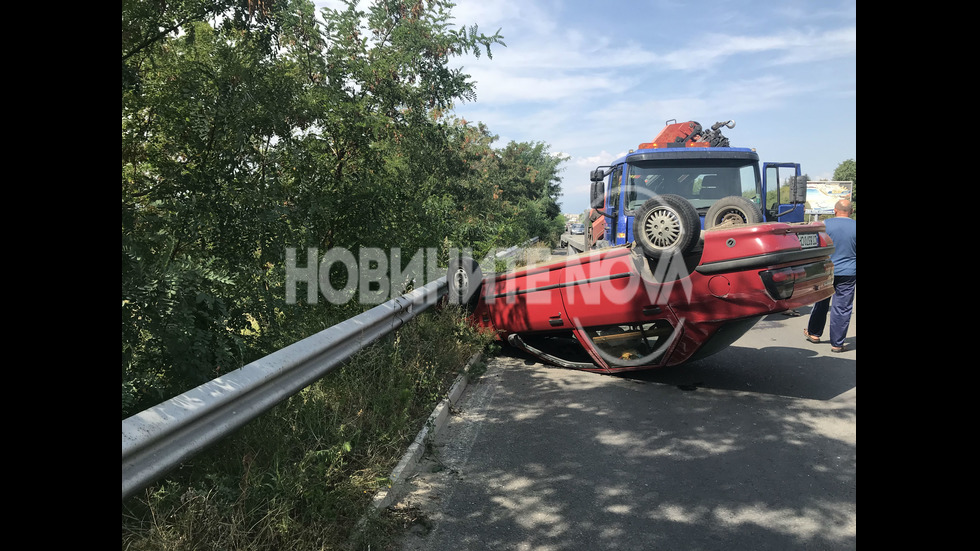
[666, 224]
[733, 210]
[465, 280]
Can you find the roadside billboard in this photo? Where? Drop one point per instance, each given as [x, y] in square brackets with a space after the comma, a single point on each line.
[821, 196]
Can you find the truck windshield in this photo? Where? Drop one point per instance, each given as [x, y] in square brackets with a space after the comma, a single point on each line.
[701, 181]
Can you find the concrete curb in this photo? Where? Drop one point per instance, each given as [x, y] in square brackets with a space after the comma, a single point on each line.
[436, 421]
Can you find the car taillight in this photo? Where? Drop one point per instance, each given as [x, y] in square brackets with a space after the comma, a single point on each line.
[780, 282]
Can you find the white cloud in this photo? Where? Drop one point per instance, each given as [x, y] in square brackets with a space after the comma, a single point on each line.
[593, 78]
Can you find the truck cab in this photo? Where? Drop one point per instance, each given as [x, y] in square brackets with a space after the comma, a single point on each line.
[724, 184]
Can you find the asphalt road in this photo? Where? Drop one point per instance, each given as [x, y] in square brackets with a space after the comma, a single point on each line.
[753, 448]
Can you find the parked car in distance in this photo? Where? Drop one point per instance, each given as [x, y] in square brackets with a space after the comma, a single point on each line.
[673, 295]
[577, 229]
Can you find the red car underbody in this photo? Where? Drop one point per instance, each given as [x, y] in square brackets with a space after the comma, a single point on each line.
[625, 311]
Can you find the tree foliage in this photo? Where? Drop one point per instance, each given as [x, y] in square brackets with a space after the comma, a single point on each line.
[253, 126]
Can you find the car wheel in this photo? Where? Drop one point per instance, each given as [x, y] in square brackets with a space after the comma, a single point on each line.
[666, 224]
[465, 280]
[732, 211]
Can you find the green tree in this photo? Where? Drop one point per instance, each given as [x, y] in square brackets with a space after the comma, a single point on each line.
[531, 183]
[248, 128]
[510, 193]
[199, 120]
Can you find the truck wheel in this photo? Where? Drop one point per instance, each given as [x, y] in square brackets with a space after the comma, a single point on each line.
[465, 280]
[732, 211]
[666, 224]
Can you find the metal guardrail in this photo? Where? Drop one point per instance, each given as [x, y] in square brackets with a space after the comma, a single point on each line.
[159, 439]
[513, 250]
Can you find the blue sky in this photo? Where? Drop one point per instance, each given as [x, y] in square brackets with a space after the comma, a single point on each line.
[593, 79]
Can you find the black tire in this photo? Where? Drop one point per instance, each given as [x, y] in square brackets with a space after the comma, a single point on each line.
[733, 210]
[465, 280]
[666, 224]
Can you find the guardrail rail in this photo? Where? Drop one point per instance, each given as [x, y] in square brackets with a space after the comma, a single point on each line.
[158, 439]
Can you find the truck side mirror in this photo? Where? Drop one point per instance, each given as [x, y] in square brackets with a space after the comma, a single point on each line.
[597, 201]
[797, 190]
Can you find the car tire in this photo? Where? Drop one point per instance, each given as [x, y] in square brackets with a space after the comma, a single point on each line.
[465, 279]
[733, 210]
[665, 225]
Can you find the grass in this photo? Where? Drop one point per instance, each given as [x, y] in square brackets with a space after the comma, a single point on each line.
[302, 475]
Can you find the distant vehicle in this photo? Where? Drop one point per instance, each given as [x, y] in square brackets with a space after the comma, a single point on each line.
[675, 294]
[578, 229]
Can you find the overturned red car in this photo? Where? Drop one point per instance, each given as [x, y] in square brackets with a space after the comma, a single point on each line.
[674, 294]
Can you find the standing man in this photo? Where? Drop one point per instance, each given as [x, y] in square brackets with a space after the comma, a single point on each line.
[843, 230]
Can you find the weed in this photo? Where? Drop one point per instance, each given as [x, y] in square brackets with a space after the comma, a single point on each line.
[300, 476]
[476, 370]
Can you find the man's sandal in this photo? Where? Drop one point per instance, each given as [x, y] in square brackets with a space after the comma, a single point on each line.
[840, 348]
[811, 338]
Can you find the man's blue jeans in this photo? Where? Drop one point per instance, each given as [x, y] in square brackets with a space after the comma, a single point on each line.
[839, 305]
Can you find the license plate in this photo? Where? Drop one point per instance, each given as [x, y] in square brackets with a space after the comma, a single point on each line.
[809, 240]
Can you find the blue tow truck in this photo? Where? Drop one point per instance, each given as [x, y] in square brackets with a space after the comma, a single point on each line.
[686, 163]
